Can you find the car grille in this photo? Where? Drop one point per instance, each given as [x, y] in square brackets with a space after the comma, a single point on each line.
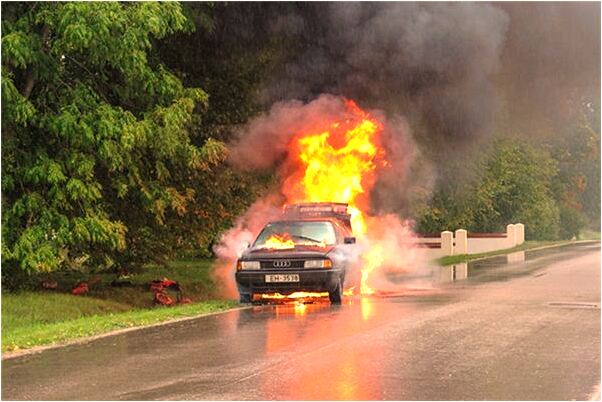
[281, 264]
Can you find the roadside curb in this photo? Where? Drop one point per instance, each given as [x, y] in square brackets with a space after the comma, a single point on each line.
[38, 349]
[525, 250]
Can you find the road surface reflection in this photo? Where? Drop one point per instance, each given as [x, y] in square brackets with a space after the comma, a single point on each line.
[299, 332]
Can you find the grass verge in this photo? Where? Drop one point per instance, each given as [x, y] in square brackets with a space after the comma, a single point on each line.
[40, 333]
[527, 245]
[38, 318]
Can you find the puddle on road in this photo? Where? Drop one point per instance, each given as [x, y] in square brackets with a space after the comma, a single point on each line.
[512, 265]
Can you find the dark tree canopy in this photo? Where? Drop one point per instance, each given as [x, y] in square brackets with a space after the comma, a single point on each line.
[97, 139]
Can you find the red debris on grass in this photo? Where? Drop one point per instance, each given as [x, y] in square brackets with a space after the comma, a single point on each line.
[163, 299]
[160, 286]
[80, 288]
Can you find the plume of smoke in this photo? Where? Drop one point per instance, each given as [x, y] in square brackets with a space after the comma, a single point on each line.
[408, 260]
[458, 72]
[234, 241]
[434, 61]
[265, 142]
[551, 65]
[409, 181]
[445, 69]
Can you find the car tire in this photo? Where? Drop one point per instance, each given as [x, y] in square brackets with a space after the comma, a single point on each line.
[335, 296]
[245, 298]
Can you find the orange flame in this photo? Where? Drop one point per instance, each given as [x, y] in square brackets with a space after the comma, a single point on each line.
[285, 242]
[295, 295]
[372, 259]
[279, 242]
[301, 295]
[338, 164]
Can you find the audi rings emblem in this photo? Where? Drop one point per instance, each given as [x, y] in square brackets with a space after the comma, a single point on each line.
[281, 264]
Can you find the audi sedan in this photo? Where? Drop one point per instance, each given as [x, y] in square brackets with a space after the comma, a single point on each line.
[310, 255]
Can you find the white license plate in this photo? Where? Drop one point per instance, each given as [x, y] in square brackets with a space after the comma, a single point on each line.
[282, 278]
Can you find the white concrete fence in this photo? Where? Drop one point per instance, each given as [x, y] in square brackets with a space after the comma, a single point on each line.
[463, 242]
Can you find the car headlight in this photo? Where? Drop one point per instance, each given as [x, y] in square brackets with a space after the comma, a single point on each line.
[248, 265]
[318, 264]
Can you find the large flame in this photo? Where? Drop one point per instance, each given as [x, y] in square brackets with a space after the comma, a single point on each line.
[279, 242]
[338, 164]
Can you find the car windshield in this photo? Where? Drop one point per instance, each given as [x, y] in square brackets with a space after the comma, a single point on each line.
[282, 235]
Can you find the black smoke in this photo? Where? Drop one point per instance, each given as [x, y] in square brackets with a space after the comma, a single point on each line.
[449, 75]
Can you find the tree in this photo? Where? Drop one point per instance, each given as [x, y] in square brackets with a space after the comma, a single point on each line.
[232, 66]
[577, 187]
[515, 186]
[97, 140]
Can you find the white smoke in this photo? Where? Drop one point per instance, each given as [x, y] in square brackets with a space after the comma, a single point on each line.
[234, 242]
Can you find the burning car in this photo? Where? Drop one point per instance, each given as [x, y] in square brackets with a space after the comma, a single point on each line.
[306, 250]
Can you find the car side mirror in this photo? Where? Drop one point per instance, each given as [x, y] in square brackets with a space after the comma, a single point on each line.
[349, 240]
[246, 244]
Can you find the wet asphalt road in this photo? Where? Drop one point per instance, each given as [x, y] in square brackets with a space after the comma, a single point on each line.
[490, 330]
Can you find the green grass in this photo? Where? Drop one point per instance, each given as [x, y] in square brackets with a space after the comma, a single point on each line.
[589, 235]
[456, 259]
[37, 317]
[37, 333]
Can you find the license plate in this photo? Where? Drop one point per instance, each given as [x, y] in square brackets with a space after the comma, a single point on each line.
[282, 278]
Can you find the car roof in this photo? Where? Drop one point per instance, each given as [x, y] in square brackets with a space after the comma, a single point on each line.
[314, 219]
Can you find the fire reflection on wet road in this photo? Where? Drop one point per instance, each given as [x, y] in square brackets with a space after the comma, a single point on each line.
[309, 378]
[478, 331]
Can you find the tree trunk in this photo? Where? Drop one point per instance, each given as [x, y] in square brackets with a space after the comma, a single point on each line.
[30, 80]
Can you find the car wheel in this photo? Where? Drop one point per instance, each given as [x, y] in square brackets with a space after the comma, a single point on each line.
[335, 295]
[245, 298]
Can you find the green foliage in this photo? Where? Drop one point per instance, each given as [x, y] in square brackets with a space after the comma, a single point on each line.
[552, 186]
[515, 186]
[572, 222]
[445, 212]
[577, 187]
[98, 145]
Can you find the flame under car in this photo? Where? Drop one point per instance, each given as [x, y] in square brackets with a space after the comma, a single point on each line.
[306, 250]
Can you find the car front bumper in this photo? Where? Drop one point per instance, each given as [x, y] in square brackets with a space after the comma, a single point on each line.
[310, 280]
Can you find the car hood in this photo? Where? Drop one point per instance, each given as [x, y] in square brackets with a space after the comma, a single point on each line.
[297, 252]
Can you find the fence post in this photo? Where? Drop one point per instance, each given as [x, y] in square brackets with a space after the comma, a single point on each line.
[520, 233]
[461, 238]
[511, 235]
[447, 243]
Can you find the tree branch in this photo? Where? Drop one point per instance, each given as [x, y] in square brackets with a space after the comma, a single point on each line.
[30, 80]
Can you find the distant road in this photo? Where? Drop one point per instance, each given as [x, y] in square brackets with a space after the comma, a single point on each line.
[528, 330]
